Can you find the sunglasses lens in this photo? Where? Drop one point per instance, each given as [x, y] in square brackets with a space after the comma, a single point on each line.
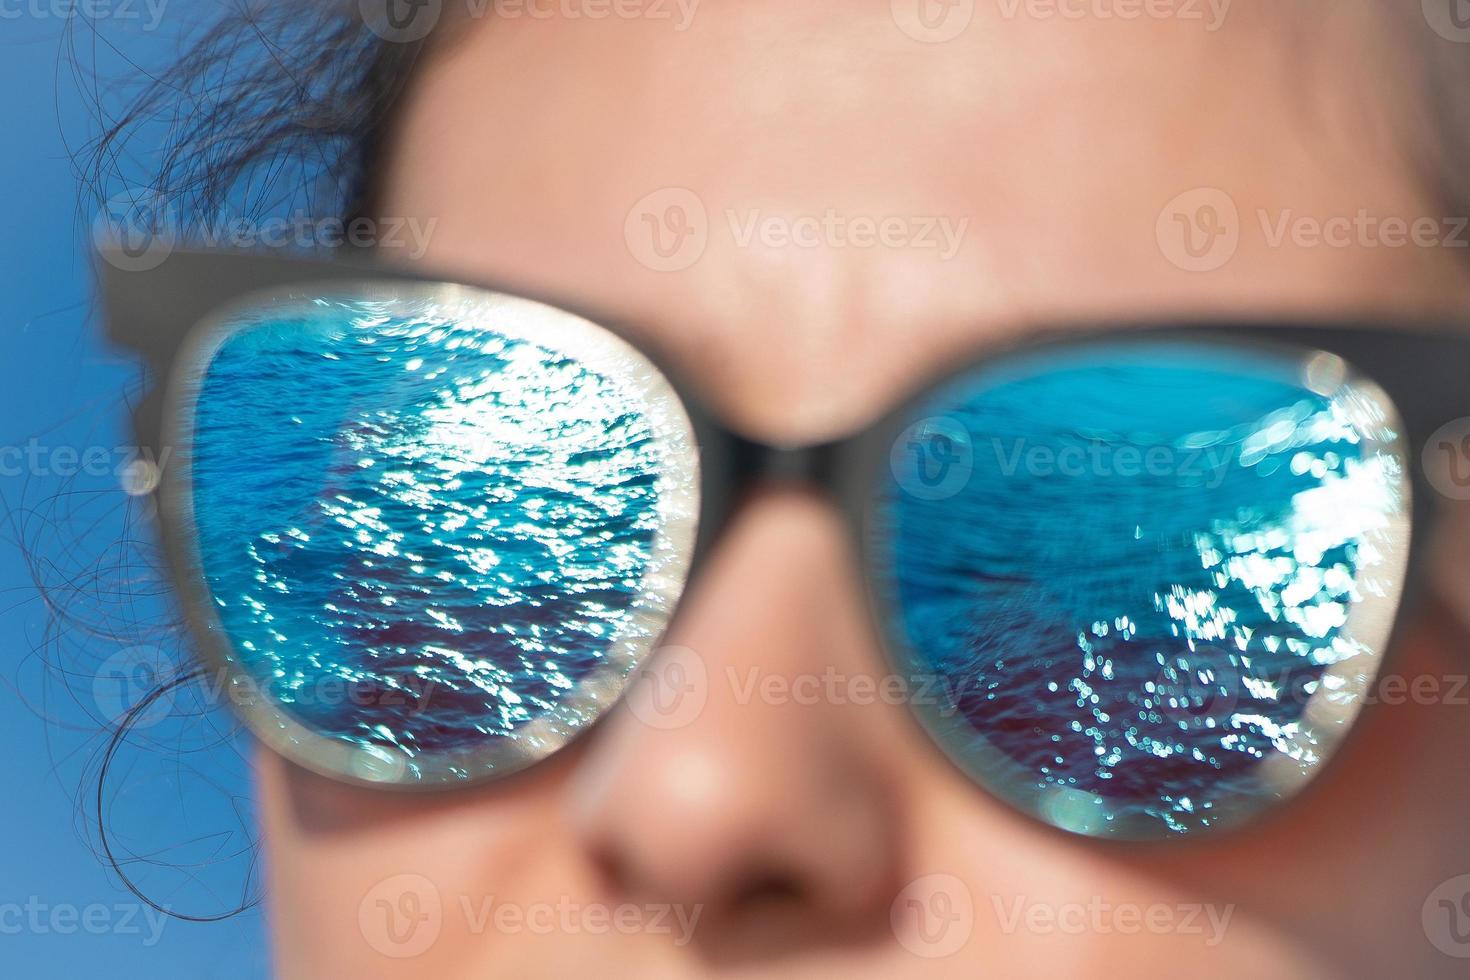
[1147, 582]
[437, 528]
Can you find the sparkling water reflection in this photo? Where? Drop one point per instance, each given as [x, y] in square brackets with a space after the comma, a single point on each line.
[1155, 602]
[422, 529]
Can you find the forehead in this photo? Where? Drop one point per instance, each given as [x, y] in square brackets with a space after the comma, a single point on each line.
[807, 209]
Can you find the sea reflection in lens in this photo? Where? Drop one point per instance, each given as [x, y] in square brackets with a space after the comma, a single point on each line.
[427, 524]
[1155, 600]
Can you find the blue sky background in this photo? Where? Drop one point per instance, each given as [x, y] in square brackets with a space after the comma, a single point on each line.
[175, 797]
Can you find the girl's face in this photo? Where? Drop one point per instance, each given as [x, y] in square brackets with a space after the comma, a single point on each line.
[717, 181]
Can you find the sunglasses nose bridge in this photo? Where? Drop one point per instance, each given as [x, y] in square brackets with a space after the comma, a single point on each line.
[734, 468]
[760, 464]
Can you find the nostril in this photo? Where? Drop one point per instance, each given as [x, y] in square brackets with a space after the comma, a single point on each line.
[769, 889]
[750, 893]
[612, 870]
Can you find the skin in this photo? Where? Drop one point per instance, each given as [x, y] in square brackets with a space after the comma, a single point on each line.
[795, 827]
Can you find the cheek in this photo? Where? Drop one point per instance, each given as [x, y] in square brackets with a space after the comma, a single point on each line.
[1386, 817]
[336, 819]
[332, 850]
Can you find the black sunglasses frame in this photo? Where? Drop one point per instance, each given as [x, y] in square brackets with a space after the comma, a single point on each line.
[1423, 367]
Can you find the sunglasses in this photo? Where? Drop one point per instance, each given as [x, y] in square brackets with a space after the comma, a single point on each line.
[1140, 578]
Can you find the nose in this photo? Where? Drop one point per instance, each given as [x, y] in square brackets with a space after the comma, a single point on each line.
[746, 772]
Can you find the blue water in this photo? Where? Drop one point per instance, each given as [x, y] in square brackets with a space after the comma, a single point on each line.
[1127, 642]
[418, 532]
